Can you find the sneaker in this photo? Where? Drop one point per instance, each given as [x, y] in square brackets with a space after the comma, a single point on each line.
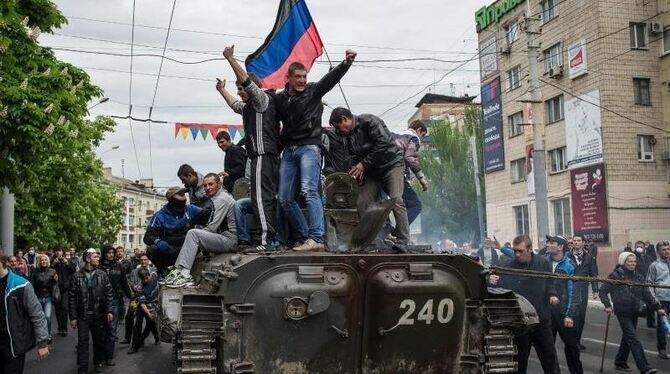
[622, 367]
[662, 354]
[171, 277]
[182, 281]
[390, 240]
[310, 245]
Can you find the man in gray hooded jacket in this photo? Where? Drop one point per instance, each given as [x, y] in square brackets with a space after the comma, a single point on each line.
[218, 236]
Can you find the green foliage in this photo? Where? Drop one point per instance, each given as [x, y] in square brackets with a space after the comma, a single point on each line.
[450, 205]
[46, 145]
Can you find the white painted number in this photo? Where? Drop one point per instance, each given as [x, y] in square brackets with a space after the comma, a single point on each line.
[426, 313]
[445, 312]
[406, 318]
[445, 304]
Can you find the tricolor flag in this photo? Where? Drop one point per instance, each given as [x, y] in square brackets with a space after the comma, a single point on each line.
[294, 38]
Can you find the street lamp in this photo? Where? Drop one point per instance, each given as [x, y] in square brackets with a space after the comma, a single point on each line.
[102, 101]
[109, 150]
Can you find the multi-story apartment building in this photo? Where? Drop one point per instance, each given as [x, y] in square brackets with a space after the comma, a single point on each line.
[604, 79]
[140, 201]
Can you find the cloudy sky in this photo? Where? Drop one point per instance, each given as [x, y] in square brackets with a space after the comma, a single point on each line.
[381, 30]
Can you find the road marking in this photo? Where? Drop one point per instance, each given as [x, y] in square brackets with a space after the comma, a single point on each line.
[616, 345]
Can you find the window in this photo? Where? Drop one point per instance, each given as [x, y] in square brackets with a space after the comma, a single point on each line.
[549, 10]
[553, 109]
[552, 57]
[131, 220]
[512, 33]
[514, 77]
[557, 159]
[515, 124]
[642, 91]
[645, 148]
[131, 239]
[562, 225]
[521, 218]
[638, 35]
[666, 40]
[518, 170]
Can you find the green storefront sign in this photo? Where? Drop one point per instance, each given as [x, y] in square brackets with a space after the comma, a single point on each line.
[488, 15]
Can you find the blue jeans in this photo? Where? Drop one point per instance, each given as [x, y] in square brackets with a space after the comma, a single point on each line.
[242, 208]
[301, 168]
[661, 339]
[47, 304]
[412, 202]
[111, 328]
[630, 343]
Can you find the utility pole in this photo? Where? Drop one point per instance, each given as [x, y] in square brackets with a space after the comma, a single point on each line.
[7, 222]
[539, 170]
[480, 206]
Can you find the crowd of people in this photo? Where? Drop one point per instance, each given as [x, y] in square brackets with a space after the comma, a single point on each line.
[286, 152]
[91, 292]
[561, 304]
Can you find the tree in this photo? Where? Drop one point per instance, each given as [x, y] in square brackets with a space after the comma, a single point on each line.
[46, 145]
[450, 205]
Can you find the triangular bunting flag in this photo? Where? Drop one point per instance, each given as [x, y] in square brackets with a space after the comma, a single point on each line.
[184, 132]
[177, 127]
[203, 132]
[194, 132]
[241, 133]
[213, 131]
[232, 131]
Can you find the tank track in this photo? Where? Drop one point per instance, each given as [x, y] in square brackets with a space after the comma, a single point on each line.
[195, 344]
[500, 350]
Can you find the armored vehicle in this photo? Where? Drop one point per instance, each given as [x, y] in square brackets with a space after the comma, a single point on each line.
[361, 311]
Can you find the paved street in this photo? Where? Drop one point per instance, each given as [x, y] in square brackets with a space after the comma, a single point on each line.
[149, 360]
[152, 359]
[594, 333]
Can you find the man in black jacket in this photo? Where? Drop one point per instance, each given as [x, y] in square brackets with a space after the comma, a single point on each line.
[22, 321]
[91, 301]
[234, 161]
[119, 281]
[541, 293]
[585, 265]
[261, 128]
[300, 109]
[65, 270]
[378, 165]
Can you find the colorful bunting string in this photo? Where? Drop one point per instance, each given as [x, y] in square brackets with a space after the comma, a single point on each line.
[206, 129]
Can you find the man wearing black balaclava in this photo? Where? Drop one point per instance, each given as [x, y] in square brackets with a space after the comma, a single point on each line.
[167, 230]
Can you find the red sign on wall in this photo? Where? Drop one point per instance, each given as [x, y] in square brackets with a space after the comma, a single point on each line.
[589, 202]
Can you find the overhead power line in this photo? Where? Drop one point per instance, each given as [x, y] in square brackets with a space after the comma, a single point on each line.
[393, 48]
[130, 93]
[576, 96]
[158, 78]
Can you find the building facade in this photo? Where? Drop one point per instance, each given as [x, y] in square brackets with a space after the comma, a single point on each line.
[604, 74]
[140, 201]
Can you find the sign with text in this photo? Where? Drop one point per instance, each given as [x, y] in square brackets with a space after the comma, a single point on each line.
[589, 202]
[488, 58]
[577, 59]
[583, 136]
[494, 151]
